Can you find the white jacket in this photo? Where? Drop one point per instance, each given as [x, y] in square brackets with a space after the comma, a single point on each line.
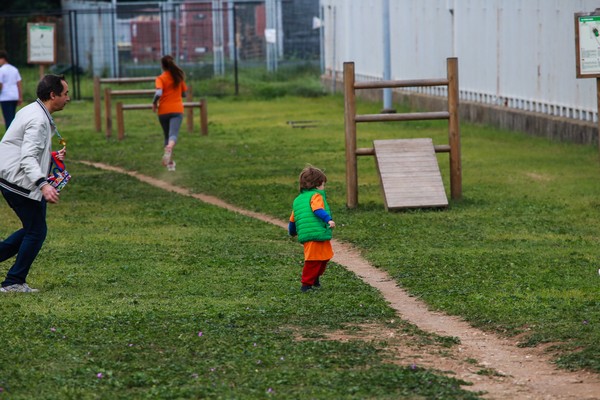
[25, 151]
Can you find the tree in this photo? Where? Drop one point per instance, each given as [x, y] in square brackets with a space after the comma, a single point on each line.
[9, 6]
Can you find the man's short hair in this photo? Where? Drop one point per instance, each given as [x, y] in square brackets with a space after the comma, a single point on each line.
[50, 84]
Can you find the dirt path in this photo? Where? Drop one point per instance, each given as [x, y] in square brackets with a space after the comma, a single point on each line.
[516, 373]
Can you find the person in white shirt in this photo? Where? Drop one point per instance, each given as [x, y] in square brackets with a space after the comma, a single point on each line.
[11, 91]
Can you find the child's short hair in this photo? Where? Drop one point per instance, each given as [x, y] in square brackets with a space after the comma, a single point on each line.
[311, 177]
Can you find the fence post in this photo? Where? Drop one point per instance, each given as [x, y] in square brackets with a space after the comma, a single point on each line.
[598, 105]
[120, 121]
[203, 118]
[350, 128]
[107, 104]
[190, 111]
[97, 104]
[454, 130]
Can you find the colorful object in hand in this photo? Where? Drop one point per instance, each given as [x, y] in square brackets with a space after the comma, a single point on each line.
[58, 177]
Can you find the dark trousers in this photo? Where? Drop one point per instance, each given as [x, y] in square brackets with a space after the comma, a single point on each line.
[312, 271]
[170, 124]
[9, 108]
[27, 241]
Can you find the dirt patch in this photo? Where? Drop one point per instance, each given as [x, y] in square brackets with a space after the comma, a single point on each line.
[538, 177]
[408, 349]
[493, 364]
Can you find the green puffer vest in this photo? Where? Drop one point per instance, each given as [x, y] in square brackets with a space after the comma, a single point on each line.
[308, 225]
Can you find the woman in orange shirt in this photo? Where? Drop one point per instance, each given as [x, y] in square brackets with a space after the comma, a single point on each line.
[168, 102]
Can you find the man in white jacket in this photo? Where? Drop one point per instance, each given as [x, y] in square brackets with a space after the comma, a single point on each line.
[25, 152]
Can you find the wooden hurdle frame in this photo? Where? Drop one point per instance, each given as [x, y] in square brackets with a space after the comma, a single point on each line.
[110, 93]
[351, 119]
[189, 105]
[98, 94]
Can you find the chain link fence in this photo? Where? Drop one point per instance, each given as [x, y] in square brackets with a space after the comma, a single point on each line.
[207, 38]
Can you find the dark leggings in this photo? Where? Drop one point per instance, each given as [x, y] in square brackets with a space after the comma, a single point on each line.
[170, 124]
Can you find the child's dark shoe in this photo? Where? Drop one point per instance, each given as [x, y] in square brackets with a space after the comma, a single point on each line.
[317, 284]
[306, 288]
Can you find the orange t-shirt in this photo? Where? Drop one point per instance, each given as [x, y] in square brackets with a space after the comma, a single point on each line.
[171, 100]
[313, 250]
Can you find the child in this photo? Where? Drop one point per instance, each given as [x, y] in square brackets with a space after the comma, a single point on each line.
[311, 221]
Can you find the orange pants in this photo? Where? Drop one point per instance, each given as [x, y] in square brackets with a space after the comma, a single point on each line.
[312, 270]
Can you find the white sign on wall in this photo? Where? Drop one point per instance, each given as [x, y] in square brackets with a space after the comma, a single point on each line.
[41, 43]
[587, 42]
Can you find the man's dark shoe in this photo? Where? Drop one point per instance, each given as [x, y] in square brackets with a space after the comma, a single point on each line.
[306, 288]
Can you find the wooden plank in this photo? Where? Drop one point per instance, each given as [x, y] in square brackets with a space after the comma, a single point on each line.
[409, 172]
[132, 92]
[149, 105]
[128, 80]
[399, 84]
[413, 186]
[430, 115]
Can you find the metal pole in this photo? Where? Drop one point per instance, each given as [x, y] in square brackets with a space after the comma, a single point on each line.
[321, 41]
[114, 39]
[387, 61]
[77, 72]
[279, 28]
[235, 52]
[271, 40]
[231, 29]
[218, 42]
[177, 17]
[333, 55]
[71, 33]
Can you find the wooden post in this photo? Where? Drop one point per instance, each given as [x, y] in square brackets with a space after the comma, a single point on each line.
[97, 104]
[190, 111]
[454, 130]
[203, 118]
[107, 106]
[120, 121]
[350, 128]
[598, 105]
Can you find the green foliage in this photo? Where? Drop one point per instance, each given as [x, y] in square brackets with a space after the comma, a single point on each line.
[296, 80]
[30, 5]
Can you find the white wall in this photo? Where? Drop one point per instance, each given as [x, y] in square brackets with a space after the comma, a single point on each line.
[520, 53]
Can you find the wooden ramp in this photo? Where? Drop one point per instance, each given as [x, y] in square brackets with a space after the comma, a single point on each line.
[410, 175]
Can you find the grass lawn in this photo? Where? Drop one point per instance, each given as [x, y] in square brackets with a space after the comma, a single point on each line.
[168, 298]
[150, 295]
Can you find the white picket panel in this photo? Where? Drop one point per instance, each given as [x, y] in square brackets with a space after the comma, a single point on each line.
[518, 53]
